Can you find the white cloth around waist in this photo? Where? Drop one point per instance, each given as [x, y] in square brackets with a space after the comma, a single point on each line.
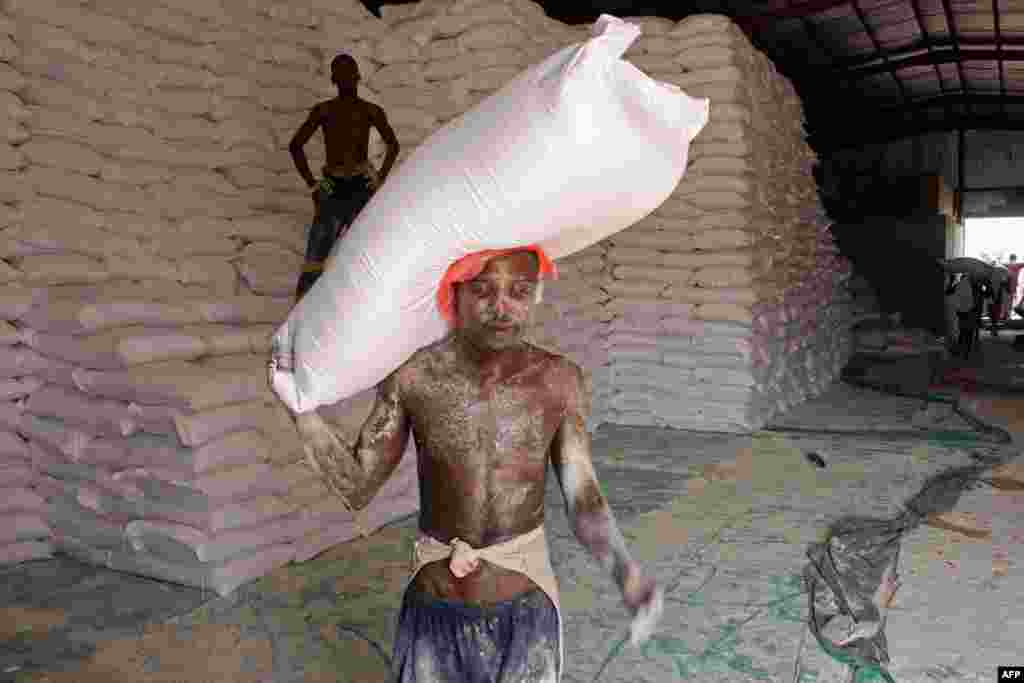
[526, 554]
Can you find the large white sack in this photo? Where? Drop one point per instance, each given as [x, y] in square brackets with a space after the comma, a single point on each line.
[573, 150]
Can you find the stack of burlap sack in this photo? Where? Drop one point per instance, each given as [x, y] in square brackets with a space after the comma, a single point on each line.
[152, 236]
[153, 231]
[727, 299]
[24, 533]
[153, 435]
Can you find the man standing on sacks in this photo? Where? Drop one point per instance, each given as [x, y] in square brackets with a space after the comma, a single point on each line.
[487, 411]
[349, 179]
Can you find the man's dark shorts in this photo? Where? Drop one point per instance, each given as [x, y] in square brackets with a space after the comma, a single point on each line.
[337, 208]
[440, 641]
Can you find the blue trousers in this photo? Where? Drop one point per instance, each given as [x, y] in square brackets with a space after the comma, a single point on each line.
[440, 641]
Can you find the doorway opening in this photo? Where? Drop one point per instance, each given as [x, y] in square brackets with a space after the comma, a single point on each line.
[999, 241]
[994, 240]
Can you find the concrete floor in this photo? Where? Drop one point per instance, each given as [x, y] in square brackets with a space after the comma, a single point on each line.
[723, 521]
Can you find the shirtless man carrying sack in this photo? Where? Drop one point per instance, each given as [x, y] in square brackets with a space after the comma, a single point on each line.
[349, 180]
[488, 411]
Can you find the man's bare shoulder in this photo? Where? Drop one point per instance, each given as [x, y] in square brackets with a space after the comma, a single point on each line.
[553, 360]
[371, 107]
[339, 105]
[566, 378]
[558, 370]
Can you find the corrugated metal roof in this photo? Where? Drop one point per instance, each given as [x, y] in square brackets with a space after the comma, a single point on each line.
[908, 65]
[872, 69]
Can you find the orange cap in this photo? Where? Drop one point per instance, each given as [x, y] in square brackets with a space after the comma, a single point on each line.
[471, 265]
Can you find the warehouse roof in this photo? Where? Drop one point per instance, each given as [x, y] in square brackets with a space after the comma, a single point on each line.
[872, 69]
[897, 66]
[876, 69]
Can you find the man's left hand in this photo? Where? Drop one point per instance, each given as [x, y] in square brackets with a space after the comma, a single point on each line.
[638, 589]
[645, 601]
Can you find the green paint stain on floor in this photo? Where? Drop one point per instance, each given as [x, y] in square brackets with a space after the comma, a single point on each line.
[576, 596]
[247, 616]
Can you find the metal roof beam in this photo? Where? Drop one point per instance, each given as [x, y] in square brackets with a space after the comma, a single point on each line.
[951, 23]
[888, 117]
[1015, 41]
[829, 141]
[924, 44]
[878, 48]
[999, 49]
[966, 99]
[950, 56]
[927, 40]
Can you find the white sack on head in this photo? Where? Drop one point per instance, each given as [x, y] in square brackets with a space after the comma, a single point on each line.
[572, 150]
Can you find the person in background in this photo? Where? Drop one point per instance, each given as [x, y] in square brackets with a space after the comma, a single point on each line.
[349, 179]
[997, 289]
[961, 314]
[1014, 302]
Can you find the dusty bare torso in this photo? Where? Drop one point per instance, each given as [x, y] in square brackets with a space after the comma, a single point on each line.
[346, 123]
[482, 441]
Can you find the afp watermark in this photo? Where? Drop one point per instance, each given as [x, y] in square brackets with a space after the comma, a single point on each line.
[1010, 673]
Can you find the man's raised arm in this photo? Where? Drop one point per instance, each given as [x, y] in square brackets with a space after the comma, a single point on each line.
[358, 471]
[589, 514]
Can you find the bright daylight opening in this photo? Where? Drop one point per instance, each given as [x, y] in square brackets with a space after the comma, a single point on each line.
[994, 239]
[999, 241]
